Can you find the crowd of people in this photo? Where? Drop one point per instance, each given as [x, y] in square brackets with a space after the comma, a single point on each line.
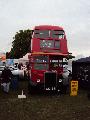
[7, 79]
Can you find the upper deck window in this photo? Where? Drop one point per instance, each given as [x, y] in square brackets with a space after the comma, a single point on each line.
[50, 44]
[56, 34]
[41, 33]
[57, 44]
[46, 43]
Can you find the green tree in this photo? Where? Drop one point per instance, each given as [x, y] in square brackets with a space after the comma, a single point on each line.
[21, 44]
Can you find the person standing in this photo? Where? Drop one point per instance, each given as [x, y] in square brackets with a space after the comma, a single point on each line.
[6, 79]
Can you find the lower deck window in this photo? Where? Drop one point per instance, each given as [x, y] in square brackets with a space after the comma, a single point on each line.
[41, 66]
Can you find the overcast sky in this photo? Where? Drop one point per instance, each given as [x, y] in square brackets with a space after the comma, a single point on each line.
[72, 15]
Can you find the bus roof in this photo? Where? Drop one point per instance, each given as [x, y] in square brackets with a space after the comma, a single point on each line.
[48, 27]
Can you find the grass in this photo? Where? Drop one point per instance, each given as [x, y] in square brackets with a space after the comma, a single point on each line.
[43, 107]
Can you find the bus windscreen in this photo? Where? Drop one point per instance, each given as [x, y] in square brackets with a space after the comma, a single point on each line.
[57, 34]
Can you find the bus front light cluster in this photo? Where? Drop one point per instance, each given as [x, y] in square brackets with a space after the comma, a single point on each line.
[60, 80]
[38, 80]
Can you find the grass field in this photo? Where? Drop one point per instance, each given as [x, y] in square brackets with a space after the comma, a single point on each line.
[43, 107]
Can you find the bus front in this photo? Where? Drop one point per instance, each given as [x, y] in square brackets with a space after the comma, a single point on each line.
[49, 47]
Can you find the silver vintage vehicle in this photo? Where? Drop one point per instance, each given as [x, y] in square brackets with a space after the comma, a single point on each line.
[15, 71]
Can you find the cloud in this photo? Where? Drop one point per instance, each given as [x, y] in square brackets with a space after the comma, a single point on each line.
[72, 15]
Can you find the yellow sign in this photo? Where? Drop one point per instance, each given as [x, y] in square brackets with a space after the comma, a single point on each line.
[74, 88]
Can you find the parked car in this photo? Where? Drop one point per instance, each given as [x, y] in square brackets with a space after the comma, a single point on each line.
[16, 71]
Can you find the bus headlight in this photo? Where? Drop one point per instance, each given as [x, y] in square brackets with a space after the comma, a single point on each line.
[60, 80]
[38, 80]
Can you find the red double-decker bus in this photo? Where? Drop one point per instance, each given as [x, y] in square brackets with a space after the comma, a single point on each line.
[48, 48]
